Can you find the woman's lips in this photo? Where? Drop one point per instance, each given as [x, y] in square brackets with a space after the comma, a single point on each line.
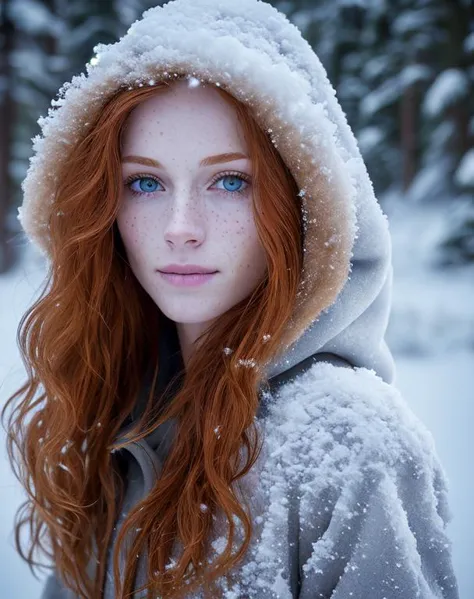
[187, 280]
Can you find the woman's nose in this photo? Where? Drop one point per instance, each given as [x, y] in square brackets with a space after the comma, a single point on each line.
[185, 222]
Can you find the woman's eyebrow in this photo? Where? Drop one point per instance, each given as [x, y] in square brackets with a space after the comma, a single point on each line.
[209, 161]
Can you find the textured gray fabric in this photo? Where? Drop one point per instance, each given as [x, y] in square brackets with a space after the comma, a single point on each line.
[371, 525]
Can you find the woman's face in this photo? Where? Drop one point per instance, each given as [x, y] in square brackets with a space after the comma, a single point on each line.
[184, 202]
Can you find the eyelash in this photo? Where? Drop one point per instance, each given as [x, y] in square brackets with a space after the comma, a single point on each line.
[217, 178]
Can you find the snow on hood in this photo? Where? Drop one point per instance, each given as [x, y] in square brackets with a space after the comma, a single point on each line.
[253, 51]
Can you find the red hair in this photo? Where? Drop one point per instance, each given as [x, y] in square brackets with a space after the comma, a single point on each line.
[87, 343]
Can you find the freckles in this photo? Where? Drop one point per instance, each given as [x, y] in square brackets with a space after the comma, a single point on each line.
[245, 266]
[132, 222]
[135, 228]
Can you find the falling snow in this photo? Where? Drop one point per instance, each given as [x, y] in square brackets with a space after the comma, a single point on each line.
[248, 363]
[343, 454]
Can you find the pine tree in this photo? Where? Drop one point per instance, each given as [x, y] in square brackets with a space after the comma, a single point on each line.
[52, 40]
[403, 71]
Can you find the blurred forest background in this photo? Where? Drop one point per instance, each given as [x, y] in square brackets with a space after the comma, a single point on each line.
[403, 71]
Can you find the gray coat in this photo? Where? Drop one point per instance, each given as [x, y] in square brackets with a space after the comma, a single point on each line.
[350, 499]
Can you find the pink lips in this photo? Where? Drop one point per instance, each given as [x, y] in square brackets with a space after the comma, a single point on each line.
[186, 269]
[191, 280]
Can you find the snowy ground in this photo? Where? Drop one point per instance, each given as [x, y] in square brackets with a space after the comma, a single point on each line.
[439, 389]
[431, 333]
[17, 290]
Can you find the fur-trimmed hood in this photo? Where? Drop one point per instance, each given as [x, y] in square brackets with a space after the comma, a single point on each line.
[252, 50]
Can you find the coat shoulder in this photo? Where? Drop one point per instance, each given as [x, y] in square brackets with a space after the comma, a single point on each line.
[340, 418]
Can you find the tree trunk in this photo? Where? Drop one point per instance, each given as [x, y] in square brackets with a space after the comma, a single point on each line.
[408, 141]
[6, 119]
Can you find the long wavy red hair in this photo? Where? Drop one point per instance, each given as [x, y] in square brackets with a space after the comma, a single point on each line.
[86, 344]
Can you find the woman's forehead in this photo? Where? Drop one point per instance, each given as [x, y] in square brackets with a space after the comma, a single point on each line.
[184, 102]
[193, 121]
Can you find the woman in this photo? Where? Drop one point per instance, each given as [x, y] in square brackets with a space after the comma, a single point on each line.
[234, 434]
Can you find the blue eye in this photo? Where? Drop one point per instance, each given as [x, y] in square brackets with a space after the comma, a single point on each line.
[233, 182]
[145, 185]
